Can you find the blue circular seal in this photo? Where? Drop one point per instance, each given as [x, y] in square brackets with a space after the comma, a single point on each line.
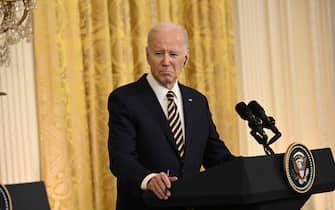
[299, 167]
[5, 199]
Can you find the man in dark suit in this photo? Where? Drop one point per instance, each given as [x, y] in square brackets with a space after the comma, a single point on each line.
[159, 129]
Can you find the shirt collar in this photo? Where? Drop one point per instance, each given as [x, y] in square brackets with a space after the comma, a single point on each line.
[160, 90]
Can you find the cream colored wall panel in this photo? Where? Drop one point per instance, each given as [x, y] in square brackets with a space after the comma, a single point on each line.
[253, 50]
[19, 151]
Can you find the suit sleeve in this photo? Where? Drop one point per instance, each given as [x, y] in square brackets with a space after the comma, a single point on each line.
[123, 157]
[216, 151]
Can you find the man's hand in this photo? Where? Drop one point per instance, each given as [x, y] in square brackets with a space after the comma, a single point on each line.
[160, 185]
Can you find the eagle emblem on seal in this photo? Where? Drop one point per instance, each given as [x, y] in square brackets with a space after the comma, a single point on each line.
[299, 166]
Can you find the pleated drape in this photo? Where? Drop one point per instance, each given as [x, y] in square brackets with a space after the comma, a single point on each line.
[85, 49]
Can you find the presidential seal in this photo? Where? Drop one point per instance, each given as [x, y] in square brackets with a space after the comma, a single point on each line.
[5, 200]
[299, 167]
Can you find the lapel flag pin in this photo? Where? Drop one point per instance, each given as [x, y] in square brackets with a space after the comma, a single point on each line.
[190, 99]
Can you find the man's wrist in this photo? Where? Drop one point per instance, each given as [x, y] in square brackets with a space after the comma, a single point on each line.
[144, 183]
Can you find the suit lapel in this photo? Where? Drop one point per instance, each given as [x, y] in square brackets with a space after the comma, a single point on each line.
[154, 108]
[187, 109]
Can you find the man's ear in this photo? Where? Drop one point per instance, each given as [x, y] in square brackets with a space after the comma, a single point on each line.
[147, 52]
[185, 61]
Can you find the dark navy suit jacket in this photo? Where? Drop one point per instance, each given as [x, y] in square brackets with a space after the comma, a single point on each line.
[140, 141]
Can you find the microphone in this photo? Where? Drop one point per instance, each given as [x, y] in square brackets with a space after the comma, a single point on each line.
[258, 111]
[254, 123]
[267, 122]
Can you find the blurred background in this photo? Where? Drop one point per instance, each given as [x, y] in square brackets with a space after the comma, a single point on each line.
[53, 110]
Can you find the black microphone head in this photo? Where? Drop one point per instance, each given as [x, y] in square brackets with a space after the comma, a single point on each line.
[256, 108]
[242, 110]
[259, 112]
[253, 122]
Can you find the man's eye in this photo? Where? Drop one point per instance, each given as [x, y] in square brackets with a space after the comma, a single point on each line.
[173, 54]
[158, 53]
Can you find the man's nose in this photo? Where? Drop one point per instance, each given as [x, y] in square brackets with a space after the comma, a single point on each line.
[166, 59]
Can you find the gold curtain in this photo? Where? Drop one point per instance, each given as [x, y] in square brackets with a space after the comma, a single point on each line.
[83, 50]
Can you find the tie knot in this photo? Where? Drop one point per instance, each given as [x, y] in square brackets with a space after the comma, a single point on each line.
[170, 95]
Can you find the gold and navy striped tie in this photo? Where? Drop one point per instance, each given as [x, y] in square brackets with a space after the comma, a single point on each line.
[175, 123]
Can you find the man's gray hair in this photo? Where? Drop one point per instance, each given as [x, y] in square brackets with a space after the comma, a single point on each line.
[166, 26]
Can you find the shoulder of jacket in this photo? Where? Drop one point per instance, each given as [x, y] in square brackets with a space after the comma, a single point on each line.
[191, 91]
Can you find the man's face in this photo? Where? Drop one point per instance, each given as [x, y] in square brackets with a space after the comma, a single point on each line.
[166, 55]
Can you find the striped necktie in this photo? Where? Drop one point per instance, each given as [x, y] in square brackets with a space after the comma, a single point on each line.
[175, 123]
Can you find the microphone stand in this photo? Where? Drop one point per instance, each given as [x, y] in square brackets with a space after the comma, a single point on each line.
[277, 135]
[274, 138]
[273, 128]
[262, 138]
